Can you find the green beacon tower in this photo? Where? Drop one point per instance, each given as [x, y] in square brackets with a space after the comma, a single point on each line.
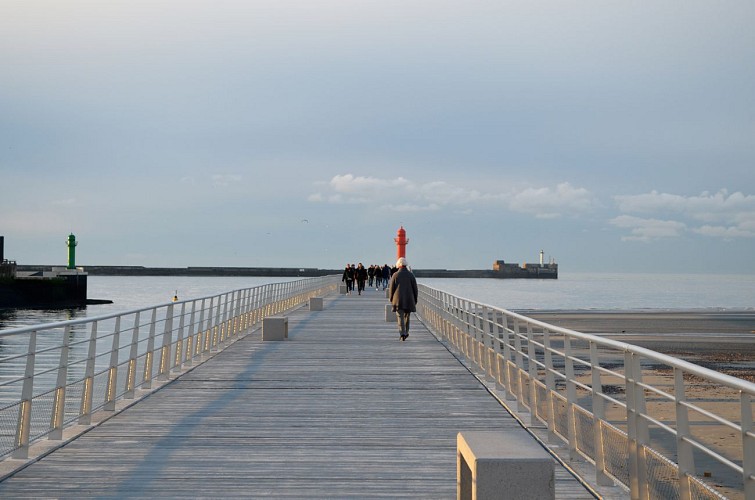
[71, 251]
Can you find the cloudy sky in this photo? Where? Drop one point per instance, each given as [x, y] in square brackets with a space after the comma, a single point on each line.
[615, 136]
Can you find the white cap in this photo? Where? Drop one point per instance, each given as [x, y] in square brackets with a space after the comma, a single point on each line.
[401, 262]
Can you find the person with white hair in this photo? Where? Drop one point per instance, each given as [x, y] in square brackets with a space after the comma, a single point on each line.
[403, 294]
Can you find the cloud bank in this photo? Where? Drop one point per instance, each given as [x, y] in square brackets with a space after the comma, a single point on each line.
[404, 195]
[717, 215]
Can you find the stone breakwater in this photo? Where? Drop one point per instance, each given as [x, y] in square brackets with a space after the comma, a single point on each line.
[303, 272]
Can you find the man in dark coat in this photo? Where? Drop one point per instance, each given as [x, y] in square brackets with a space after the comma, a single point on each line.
[348, 278]
[403, 294]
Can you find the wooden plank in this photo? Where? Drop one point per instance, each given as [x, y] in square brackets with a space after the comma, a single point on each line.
[341, 409]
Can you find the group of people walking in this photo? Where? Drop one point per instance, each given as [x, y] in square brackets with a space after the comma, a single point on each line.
[400, 282]
[372, 276]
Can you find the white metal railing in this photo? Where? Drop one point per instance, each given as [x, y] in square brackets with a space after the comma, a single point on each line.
[660, 426]
[56, 375]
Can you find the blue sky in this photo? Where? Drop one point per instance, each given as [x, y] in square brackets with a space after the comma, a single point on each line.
[614, 136]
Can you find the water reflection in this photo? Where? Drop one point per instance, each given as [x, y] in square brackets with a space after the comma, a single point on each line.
[17, 318]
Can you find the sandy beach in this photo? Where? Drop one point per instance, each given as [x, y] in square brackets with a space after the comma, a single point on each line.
[723, 341]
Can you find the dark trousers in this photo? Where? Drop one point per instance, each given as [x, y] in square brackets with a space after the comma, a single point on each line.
[403, 321]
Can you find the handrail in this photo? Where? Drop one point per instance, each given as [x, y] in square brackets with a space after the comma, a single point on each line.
[58, 374]
[653, 423]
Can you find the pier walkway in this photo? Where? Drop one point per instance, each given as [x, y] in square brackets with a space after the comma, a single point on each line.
[341, 409]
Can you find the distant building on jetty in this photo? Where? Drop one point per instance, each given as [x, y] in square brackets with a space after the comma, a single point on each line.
[540, 270]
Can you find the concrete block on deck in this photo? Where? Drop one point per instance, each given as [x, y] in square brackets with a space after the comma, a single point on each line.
[502, 465]
[315, 304]
[275, 328]
[390, 316]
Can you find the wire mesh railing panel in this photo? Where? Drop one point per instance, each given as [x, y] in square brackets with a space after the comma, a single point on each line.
[73, 402]
[662, 476]
[585, 432]
[541, 393]
[121, 371]
[701, 491]
[616, 452]
[8, 425]
[99, 389]
[139, 370]
[41, 412]
[560, 416]
[524, 381]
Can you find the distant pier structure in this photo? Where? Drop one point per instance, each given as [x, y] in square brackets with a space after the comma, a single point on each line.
[56, 287]
[7, 267]
[539, 270]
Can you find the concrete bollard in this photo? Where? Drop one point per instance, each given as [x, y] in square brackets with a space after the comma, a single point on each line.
[315, 304]
[390, 316]
[275, 328]
[387, 293]
[493, 465]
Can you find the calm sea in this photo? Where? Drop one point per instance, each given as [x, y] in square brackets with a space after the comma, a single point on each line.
[570, 291]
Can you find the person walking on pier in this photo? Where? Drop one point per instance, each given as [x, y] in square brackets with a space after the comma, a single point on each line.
[348, 278]
[360, 275]
[403, 294]
[386, 275]
[370, 275]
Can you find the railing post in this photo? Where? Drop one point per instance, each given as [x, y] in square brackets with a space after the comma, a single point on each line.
[571, 400]
[59, 404]
[505, 337]
[112, 375]
[216, 325]
[164, 366]
[491, 334]
[179, 355]
[190, 341]
[519, 360]
[748, 445]
[202, 331]
[532, 372]
[149, 355]
[637, 429]
[599, 414]
[132, 359]
[210, 331]
[85, 412]
[550, 388]
[226, 321]
[23, 425]
[238, 315]
[256, 306]
[684, 450]
[484, 342]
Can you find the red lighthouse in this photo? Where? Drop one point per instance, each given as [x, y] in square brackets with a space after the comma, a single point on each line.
[401, 243]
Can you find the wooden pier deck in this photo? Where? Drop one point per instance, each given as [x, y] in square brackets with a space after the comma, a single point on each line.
[342, 409]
